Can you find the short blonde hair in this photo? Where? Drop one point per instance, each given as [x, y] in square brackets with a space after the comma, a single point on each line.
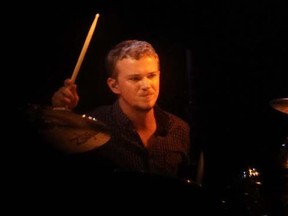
[134, 49]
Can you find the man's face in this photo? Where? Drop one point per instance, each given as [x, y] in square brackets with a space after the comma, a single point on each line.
[138, 83]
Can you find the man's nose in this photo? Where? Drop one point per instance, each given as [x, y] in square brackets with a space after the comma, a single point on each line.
[145, 82]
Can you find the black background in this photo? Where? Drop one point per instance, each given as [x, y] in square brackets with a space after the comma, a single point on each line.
[221, 65]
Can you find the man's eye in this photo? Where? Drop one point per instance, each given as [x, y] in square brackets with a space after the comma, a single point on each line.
[153, 75]
[134, 78]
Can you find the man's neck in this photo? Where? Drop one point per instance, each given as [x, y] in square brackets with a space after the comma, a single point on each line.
[141, 119]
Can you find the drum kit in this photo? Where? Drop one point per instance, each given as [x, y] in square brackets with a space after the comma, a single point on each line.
[252, 181]
[253, 193]
[71, 133]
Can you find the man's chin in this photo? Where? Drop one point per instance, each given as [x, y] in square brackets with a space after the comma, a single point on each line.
[146, 108]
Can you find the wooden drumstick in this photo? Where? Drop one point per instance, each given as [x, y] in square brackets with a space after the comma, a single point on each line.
[84, 48]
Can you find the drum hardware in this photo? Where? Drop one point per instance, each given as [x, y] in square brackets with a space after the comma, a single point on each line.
[283, 161]
[283, 156]
[245, 195]
[281, 104]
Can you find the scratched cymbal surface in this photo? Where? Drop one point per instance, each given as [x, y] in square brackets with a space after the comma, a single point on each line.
[69, 132]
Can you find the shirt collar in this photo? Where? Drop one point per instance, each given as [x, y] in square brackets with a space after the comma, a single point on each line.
[162, 118]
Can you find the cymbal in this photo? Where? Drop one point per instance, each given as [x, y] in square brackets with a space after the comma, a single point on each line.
[69, 132]
[280, 104]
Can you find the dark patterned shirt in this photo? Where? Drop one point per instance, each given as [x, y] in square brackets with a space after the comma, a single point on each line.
[167, 152]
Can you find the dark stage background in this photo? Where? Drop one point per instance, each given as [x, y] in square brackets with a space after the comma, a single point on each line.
[221, 65]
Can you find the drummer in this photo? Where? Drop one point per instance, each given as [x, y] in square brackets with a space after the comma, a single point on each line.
[144, 137]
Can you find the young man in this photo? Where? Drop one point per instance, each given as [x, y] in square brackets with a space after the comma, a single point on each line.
[144, 138]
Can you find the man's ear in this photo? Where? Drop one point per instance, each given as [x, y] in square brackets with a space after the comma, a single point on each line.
[113, 85]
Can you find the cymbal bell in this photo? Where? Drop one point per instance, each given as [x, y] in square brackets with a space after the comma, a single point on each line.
[69, 132]
[280, 104]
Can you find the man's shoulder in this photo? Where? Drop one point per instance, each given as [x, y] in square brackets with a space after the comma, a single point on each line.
[100, 110]
[177, 118]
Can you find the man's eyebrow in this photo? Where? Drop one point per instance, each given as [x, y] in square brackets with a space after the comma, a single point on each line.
[157, 71]
[139, 74]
